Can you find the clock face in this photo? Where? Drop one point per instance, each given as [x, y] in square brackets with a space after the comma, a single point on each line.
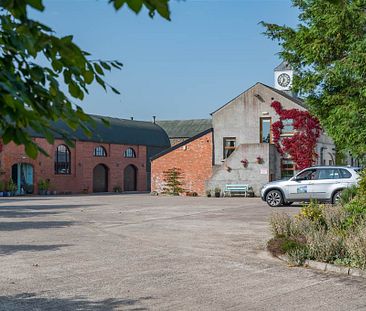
[284, 80]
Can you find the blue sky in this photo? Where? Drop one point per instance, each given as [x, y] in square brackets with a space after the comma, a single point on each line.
[211, 51]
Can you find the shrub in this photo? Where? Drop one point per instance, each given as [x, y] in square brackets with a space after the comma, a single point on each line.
[348, 194]
[334, 217]
[281, 225]
[362, 184]
[356, 212]
[173, 181]
[323, 245]
[284, 245]
[356, 247]
[313, 211]
[297, 255]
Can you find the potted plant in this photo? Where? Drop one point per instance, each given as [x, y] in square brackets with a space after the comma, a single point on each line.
[245, 162]
[11, 187]
[47, 186]
[217, 192]
[41, 187]
[28, 188]
[259, 160]
[208, 193]
[2, 187]
[117, 189]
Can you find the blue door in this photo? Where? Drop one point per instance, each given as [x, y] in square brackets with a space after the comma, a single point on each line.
[22, 175]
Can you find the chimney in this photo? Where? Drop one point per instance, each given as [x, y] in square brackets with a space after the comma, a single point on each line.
[154, 119]
[131, 118]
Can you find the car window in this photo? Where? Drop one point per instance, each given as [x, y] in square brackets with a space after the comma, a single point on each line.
[345, 173]
[306, 175]
[327, 173]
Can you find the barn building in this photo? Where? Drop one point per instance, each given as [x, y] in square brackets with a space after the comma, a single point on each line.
[181, 130]
[115, 157]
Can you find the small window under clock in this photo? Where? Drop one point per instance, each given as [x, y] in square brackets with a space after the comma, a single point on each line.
[229, 146]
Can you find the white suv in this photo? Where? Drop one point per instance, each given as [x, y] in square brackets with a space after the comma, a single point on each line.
[322, 183]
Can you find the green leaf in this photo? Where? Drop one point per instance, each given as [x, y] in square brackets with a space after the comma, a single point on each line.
[135, 5]
[101, 82]
[105, 66]
[115, 90]
[98, 69]
[118, 4]
[88, 76]
[37, 4]
[31, 150]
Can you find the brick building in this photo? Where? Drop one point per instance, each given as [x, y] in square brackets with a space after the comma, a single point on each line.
[242, 133]
[115, 156]
[193, 156]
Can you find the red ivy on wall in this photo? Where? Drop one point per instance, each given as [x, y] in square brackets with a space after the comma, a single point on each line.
[300, 146]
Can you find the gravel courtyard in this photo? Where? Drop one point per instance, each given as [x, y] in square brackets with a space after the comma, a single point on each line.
[139, 252]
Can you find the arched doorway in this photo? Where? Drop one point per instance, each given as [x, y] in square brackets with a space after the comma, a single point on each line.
[100, 178]
[22, 176]
[130, 178]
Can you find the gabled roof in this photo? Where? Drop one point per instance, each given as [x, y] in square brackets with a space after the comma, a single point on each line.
[283, 66]
[119, 131]
[185, 128]
[296, 100]
[181, 144]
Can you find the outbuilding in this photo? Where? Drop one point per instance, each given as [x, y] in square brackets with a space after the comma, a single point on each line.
[114, 158]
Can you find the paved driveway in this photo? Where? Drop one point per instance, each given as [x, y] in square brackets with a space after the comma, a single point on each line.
[138, 252]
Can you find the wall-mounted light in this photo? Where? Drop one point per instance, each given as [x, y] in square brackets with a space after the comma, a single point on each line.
[259, 97]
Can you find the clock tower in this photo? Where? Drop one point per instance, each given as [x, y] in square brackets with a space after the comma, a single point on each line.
[283, 75]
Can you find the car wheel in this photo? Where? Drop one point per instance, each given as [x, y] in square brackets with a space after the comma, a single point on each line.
[336, 197]
[274, 198]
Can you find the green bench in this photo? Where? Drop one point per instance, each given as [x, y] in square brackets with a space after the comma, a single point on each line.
[236, 189]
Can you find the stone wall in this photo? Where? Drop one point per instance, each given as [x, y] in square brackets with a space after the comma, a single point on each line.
[232, 171]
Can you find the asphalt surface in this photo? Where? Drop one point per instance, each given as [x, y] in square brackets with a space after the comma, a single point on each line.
[139, 252]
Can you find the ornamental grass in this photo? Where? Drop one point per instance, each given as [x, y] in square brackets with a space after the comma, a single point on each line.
[328, 233]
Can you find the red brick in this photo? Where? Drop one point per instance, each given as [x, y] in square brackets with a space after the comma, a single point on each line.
[193, 158]
[82, 165]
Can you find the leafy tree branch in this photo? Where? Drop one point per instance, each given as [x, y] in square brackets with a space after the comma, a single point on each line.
[30, 93]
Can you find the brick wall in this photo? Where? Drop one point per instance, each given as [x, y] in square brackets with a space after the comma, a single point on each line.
[82, 165]
[193, 158]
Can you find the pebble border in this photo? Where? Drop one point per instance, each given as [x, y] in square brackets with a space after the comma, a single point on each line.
[328, 267]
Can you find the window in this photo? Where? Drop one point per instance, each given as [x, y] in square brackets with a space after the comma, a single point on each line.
[345, 174]
[229, 146]
[287, 169]
[288, 126]
[307, 175]
[100, 152]
[265, 130]
[130, 153]
[330, 173]
[62, 160]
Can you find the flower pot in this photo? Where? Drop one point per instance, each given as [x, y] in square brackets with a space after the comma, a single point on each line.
[217, 194]
[1, 194]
